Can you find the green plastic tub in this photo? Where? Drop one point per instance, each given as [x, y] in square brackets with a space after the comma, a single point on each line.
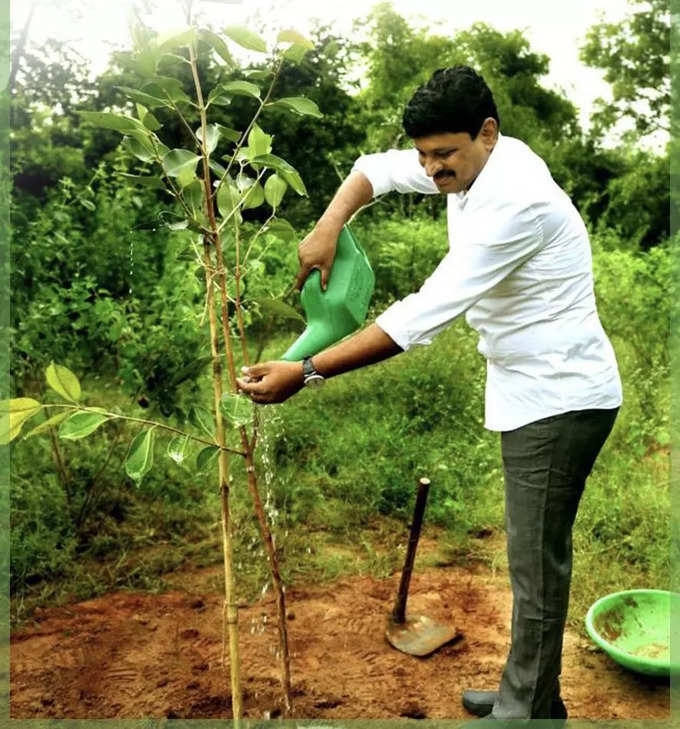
[634, 628]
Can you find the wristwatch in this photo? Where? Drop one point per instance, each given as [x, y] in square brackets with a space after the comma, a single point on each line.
[310, 376]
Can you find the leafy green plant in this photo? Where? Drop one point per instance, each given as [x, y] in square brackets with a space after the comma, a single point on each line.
[210, 198]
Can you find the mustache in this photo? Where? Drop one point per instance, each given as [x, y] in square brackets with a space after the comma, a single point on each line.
[444, 173]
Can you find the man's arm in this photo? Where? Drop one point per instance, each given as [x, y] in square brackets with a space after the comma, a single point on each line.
[317, 250]
[271, 382]
[371, 176]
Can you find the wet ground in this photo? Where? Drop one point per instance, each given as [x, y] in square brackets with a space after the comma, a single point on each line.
[129, 655]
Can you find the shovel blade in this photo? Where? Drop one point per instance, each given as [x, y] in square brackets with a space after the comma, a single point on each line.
[419, 635]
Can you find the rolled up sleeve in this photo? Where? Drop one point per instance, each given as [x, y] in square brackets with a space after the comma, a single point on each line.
[478, 261]
[396, 169]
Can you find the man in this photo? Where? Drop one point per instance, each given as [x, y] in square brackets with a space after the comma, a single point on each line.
[519, 265]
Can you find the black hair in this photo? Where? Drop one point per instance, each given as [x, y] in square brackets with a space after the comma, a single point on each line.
[455, 99]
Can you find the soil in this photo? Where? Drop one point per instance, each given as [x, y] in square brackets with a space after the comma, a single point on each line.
[133, 655]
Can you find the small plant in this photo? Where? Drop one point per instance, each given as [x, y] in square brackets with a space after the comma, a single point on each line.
[209, 199]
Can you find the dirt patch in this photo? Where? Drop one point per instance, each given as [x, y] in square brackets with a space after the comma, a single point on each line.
[128, 655]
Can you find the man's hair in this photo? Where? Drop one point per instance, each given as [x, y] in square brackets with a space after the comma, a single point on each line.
[455, 99]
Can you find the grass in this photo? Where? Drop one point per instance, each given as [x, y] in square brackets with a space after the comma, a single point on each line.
[346, 461]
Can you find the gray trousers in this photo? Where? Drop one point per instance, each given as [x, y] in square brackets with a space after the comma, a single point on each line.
[546, 464]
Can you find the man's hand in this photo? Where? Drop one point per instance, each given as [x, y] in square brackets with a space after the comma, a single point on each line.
[271, 382]
[317, 250]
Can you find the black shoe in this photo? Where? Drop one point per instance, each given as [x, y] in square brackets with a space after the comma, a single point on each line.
[480, 703]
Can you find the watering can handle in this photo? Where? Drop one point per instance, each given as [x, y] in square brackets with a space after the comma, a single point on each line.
[399, 612]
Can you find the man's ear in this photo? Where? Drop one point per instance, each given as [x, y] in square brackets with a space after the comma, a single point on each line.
[489, 132]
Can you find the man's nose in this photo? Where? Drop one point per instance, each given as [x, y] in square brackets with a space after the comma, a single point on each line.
[432, 167]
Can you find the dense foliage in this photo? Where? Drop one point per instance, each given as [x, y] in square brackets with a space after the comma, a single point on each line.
[102, 284]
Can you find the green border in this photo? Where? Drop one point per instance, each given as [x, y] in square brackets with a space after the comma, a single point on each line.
[4, 358]
[318, 724]
[675, 348]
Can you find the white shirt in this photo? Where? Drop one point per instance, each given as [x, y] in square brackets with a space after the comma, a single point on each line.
[519, 263]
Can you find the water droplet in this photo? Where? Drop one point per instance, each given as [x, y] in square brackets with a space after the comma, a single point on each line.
[132, 259]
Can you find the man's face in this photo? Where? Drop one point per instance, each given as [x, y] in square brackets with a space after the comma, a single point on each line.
[453, 161]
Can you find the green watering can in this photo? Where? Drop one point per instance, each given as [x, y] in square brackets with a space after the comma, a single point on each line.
[340, 309]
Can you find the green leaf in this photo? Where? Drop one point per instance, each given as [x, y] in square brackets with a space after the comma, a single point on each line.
[140, 150]
[219, 46]
[177, 448]
[81, 424]
[214, 97]
[178, 161]
[287, 171]
[300, 105]
[663, 436]
[13, 414]
[220, 100]
[193, 369]
[295, 53]
[49, 423]
[281, 229]
[217, 168]
[238, 409]
[176, 39]
[161, 149]
[140, 455]
[212, 136]
[259, 143]
[87, 204]
[246, 38]
[241, 88]
[202, 419]
[257, 73]
[274, 190]
[153, 102]
[193, 194]
[146, 60]
[148, 142]
[251, 192]
[228, 198]
[63, 381]
[169, 87]
[292, 36]
[145, 180]
[254, 197]
[205, 456]
[107, 120]
[228, 133]
[277, 309]
[147, 118]
[186, 177]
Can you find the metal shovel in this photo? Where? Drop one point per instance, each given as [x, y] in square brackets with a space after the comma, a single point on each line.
[416, 635]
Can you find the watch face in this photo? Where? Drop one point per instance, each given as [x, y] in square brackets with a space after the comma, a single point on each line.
[314, 381]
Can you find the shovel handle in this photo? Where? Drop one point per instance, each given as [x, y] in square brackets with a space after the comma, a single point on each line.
[399, 612]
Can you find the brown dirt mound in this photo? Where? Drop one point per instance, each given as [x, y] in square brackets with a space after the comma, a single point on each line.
[129, 655]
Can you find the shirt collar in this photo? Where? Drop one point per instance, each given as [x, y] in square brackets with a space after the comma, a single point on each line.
[480, 184]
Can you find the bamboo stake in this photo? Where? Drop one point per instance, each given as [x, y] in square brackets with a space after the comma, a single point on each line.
[223, 470]
[248, 447]
[231, 609]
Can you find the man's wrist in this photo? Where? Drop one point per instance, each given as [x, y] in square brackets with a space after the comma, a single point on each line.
[310, 375]
[330, 223]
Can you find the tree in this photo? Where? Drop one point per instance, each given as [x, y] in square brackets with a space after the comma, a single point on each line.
[635, 55]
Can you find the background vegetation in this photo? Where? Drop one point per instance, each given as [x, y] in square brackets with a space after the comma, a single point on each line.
[102, 285]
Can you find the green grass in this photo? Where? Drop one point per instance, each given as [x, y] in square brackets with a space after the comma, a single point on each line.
[343, 464]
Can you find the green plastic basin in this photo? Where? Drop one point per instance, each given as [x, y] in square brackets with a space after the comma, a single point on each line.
[633, 627]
